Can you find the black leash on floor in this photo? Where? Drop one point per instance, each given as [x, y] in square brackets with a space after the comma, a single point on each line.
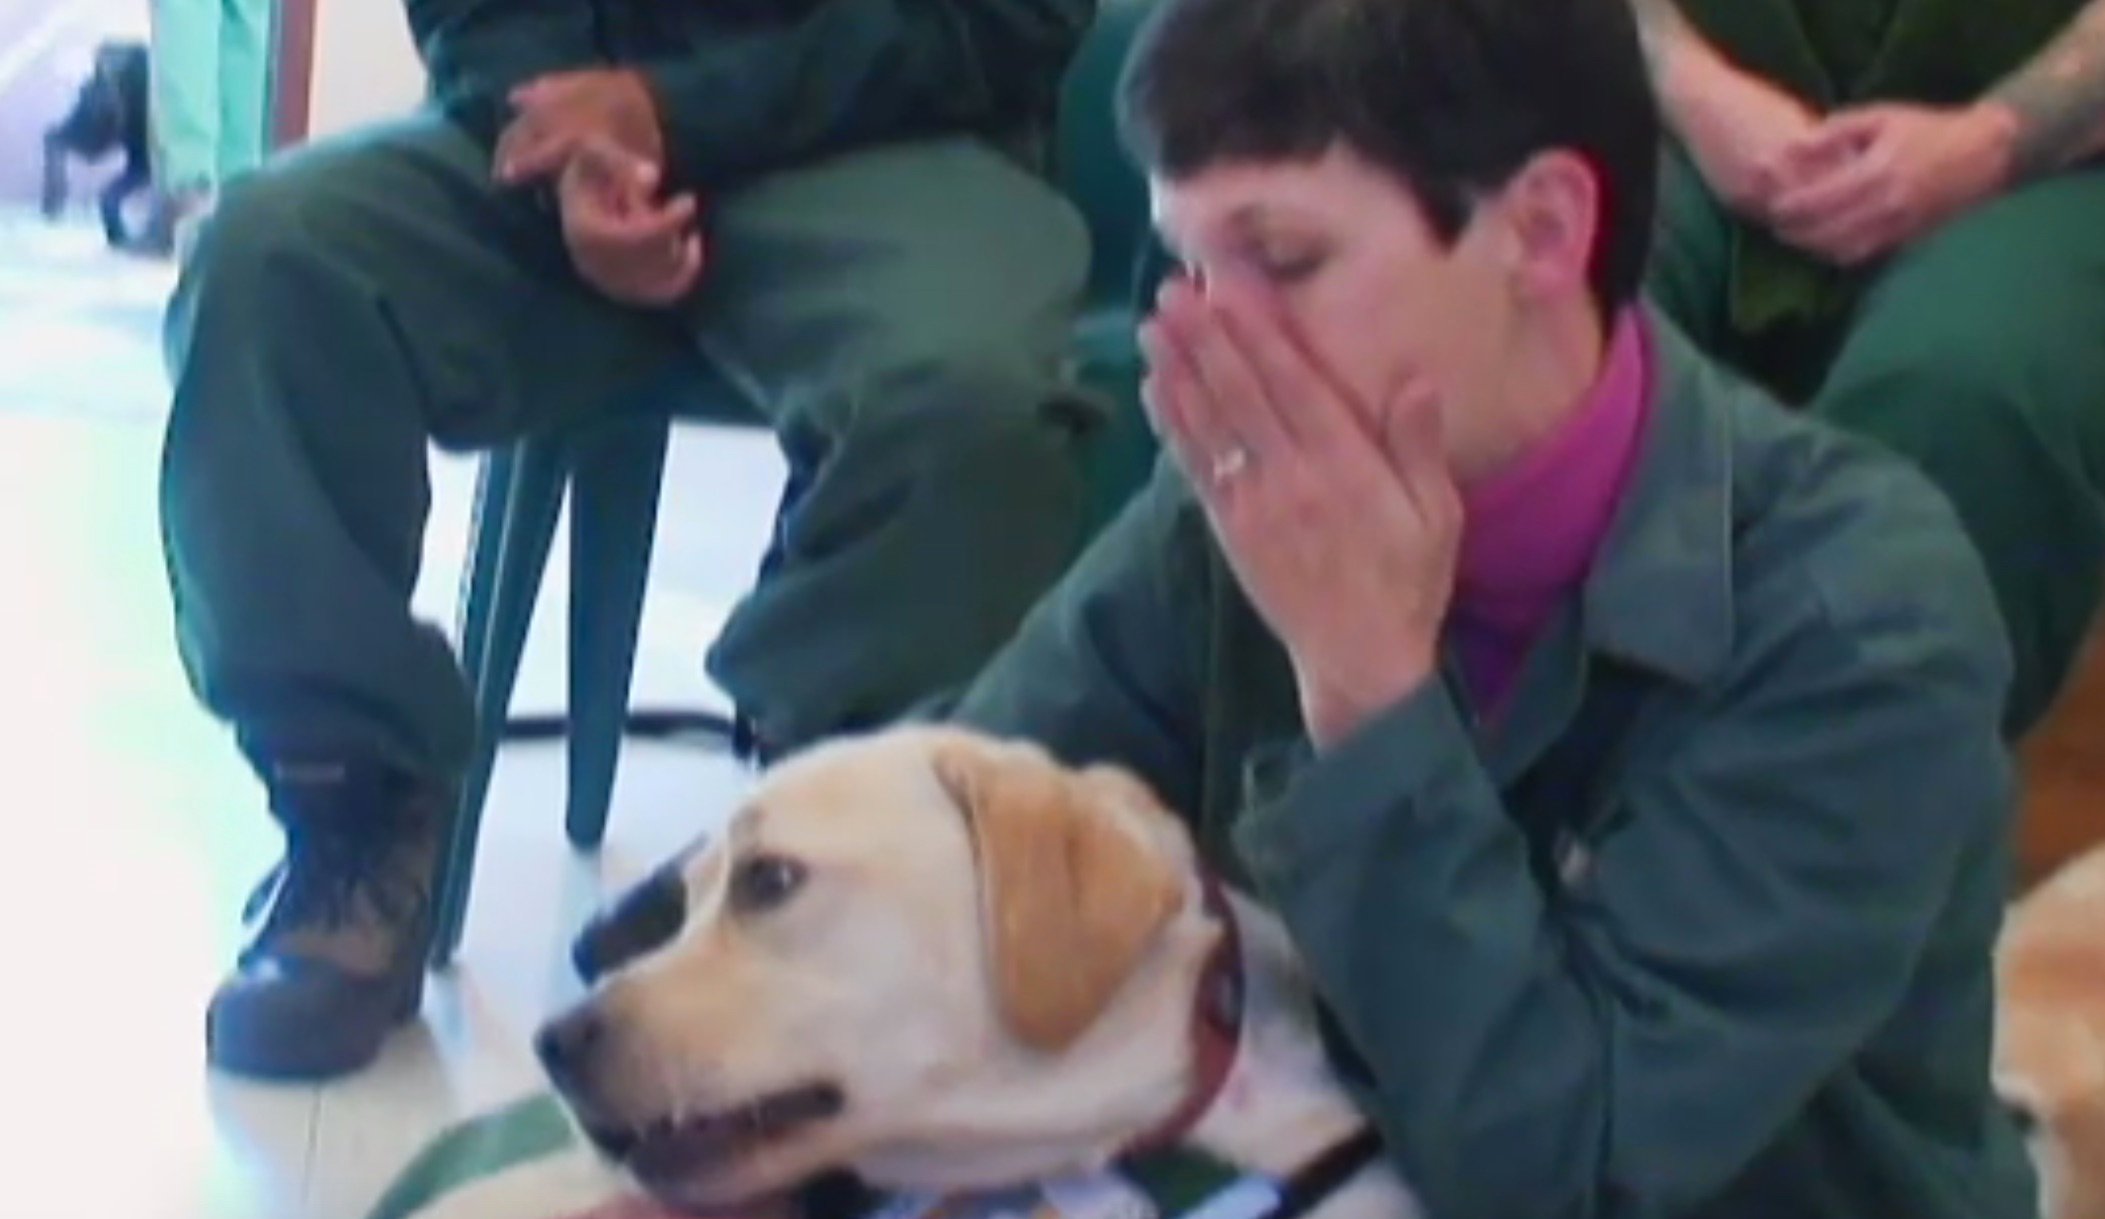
[1325, 1175]
[657, 725]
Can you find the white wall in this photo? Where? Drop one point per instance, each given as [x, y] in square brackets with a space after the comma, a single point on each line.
[365, 66]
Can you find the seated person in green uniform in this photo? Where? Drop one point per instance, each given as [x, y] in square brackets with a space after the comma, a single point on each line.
[1889, 211]
[1621, 750]
[837, 202]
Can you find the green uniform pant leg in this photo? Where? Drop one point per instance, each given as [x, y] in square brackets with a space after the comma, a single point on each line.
[184, 109]
[1980, 355]
[346, 306]
[246, 31]
[903, 313]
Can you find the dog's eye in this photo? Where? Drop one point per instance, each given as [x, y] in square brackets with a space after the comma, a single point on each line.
[764, 882]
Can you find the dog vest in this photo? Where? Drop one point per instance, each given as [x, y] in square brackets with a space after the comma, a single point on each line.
[1174, 1184]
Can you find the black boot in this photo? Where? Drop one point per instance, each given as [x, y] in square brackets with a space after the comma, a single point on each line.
[342, 926]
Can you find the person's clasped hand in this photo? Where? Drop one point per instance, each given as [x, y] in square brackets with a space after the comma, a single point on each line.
[1882, 176]
[598, 135]
[623, 239]
[1742, 132]
[1340, 518]
[555, 115]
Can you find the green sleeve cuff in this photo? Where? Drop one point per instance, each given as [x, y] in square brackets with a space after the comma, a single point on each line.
[1304, 808]
[842, 75]
[693, 151]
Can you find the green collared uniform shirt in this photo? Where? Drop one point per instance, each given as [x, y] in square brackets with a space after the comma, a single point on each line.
[1734, 962]
[746, 87]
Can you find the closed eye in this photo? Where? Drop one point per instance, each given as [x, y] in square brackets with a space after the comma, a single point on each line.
[763, 883]
[1286, 272]
[1282, 263]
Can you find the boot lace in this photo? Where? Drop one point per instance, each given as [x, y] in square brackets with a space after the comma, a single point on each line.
[343, 864]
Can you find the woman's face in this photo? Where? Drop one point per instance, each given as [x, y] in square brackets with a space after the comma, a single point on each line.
[1346, 253]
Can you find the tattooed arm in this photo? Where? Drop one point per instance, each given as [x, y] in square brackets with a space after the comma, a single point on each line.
[2058, 98]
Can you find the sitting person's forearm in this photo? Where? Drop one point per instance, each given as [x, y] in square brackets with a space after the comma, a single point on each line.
[2058, 99]
[1683, 63]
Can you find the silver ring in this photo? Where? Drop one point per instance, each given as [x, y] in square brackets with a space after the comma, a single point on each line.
[1230, 463]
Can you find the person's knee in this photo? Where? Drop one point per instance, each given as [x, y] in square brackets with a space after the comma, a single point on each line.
[1987, 415]
[985, 400]
[261, 259]
[1966, 417]
[1987, 410]
[1956, 403]
[254, 223]
[1985, 335]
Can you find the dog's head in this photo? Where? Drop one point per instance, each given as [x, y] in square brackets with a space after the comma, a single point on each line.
[882, 964]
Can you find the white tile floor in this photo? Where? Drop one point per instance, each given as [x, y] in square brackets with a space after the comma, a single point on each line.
[133, 832]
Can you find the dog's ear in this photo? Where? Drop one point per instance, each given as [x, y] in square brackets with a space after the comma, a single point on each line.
[1071, 898]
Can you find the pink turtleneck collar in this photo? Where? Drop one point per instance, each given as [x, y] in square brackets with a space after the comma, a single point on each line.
[1531, 531]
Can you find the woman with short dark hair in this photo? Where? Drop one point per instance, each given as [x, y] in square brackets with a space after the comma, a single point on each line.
[1620, 750]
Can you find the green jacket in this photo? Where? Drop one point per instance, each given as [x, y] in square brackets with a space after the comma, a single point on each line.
[748, 86]
[1834, 53]
[1715, 946]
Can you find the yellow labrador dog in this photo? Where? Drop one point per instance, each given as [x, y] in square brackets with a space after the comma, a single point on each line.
[2050, 1034]
[947, 964]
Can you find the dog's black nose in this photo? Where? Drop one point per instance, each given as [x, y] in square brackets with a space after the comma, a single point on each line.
[567, 1044]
